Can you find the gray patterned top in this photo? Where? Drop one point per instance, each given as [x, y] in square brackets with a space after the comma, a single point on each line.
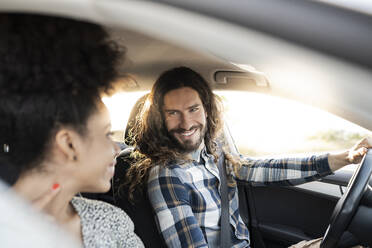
[104, 225]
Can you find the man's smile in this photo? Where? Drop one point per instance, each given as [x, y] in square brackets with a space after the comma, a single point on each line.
[188, 133]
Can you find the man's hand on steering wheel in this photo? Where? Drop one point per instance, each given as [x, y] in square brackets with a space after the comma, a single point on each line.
[359, 150]
[352, 156]
[348, 204]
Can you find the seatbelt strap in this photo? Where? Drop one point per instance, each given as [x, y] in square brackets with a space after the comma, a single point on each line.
[225, 206]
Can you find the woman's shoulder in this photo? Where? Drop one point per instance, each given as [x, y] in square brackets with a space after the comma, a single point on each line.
[100, 210]
[103, 222]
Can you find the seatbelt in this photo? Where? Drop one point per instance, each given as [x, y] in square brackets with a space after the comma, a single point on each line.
[225, 206]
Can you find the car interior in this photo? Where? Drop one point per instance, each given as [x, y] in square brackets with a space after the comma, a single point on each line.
[308, 51]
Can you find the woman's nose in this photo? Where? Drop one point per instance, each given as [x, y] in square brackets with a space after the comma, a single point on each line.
[116, 149]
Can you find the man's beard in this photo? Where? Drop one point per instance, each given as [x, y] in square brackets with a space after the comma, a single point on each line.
[187, 146]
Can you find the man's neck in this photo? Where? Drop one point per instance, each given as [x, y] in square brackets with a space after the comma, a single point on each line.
[195, 155]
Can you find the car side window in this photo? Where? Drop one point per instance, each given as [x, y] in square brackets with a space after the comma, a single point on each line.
[266, 125]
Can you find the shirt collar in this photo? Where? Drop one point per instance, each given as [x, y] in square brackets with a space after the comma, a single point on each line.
[196, 155]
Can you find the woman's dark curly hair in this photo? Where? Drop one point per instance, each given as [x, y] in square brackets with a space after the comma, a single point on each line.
[152, 141]
[52, 71]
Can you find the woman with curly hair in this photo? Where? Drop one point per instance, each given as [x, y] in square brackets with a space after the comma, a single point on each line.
[55, 134]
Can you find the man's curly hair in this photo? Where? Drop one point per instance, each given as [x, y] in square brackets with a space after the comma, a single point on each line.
[52, 71]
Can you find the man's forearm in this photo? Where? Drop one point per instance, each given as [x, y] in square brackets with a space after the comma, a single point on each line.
[338, 160]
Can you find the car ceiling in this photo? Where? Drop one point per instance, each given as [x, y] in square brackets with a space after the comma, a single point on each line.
[158, 37]
[147, 57]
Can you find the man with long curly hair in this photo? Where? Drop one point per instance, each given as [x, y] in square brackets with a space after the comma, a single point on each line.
[178, 142]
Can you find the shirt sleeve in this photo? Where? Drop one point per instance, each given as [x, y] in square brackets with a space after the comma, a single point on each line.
[284, 171]
[170, 200]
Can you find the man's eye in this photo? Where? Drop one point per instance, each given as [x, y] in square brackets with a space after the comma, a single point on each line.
[110, 134]
[171, 113]
[194, 109]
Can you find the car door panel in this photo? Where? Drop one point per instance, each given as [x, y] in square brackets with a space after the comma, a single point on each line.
[281, 216]
[289, 214]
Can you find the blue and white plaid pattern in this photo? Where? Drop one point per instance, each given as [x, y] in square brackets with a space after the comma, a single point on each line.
[186, 198]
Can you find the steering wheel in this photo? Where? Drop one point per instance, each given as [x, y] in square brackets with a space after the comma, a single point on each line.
[348, 203]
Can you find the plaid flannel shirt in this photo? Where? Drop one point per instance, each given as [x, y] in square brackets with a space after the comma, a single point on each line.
[186, 198]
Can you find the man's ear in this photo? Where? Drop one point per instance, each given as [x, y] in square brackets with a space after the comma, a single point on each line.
[67, 142]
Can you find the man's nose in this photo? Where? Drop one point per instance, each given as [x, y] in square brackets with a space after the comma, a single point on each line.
[186, 122]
